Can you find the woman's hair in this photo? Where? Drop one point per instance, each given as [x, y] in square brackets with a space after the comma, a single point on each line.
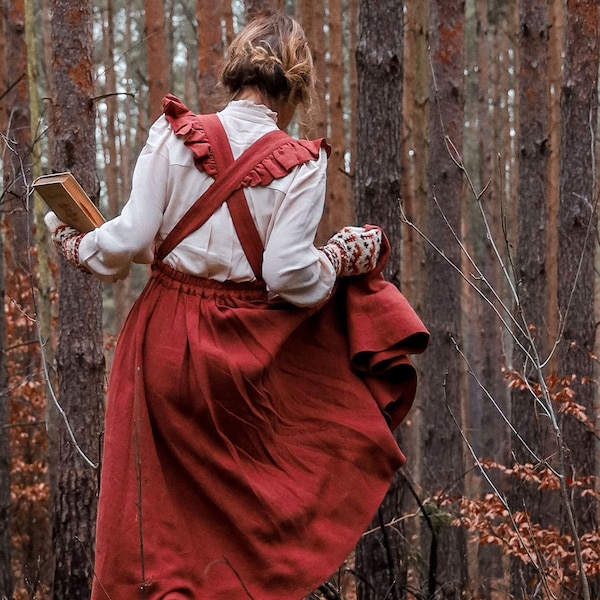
[271, 54]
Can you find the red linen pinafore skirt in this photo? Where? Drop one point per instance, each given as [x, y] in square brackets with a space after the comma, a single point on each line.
[245, 453]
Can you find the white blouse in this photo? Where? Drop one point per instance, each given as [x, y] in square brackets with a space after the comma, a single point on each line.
[166, 183]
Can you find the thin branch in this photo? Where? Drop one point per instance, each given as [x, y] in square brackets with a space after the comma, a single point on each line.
[90, 561]
[44, 363]
[496, 491]
[12, 86]
[61, 411]
[24, 424]
[502, 319]
[472, 373]
[540, 557]
[391, 523]
[22, 344]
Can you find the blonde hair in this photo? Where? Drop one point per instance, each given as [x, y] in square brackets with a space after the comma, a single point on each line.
[271, 55]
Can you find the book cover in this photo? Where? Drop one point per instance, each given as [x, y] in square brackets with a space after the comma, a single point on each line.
[63, 194]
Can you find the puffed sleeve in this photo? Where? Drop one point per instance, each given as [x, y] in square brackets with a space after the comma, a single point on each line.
[109, 250]
[293, 268]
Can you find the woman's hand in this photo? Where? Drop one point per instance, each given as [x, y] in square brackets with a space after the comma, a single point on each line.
[353, 250]
[65, 238]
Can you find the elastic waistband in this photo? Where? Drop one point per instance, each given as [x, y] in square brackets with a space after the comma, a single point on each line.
[169, 277]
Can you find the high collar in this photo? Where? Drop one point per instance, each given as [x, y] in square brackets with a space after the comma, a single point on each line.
[246, 109]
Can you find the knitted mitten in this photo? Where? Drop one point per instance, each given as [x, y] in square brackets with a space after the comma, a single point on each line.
[66, 239]
[353, 250]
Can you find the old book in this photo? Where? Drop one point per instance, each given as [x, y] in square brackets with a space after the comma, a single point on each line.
[63, 194]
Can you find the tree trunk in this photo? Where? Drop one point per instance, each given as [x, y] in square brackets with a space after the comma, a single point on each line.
[339, 208]
[45, 279]
[46, 61]
[128, 148]
[442, 459]
[379, 556]
[495, 442]
[379, 124]
[577, 240]
[475, 347]
[311, 15]
[227, 13]
[531, 276]
[414, 196]
[353, 9]
[6, 578]
[156, 56]
[210, 51]
[28, 443]
[257, 7]
[112, 165]
[483, 331]
[4, 83]
[555, 61]
[80, 361]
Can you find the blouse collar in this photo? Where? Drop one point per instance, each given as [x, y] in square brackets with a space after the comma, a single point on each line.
[247, 109]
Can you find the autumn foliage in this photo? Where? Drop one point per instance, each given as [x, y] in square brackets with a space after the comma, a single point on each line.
[550, 548]
[30, 511]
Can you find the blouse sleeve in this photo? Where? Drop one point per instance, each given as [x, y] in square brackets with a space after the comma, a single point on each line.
[109, 250]
[293, 268]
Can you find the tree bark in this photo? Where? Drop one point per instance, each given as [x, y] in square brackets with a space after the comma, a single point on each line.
[379, 125]
[109, 129]
[380, 556]
[31, 552]
[311, 15]
[4, 83]
[156, 56]
[353, 9]
[80, 361]
[555, 61]
[531, 277]
[210, 52]
[414, 179]
[577, 223]
[6, 578]
[442, 462]
[258, 7]
[339, 208]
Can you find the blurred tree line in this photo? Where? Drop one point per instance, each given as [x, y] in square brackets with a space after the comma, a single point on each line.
[468, 130]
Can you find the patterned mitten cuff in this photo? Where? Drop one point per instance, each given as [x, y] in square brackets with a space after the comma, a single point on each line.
[66, 239]
[354, 250]
[334, 254]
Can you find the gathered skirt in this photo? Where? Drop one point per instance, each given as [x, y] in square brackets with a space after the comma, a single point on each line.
[244, 453]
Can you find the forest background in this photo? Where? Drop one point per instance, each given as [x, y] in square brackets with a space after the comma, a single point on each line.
[468, 130]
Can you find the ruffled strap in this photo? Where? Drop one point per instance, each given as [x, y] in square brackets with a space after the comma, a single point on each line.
[188, 126]
[284, 159]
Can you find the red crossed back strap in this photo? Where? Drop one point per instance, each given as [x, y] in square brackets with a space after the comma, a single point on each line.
[237, 204]
[226, 188]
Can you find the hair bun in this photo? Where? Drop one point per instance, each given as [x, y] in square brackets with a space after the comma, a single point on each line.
[271, 55]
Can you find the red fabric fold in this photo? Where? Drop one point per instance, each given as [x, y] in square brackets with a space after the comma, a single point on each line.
[383, 330]
[187, 125]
